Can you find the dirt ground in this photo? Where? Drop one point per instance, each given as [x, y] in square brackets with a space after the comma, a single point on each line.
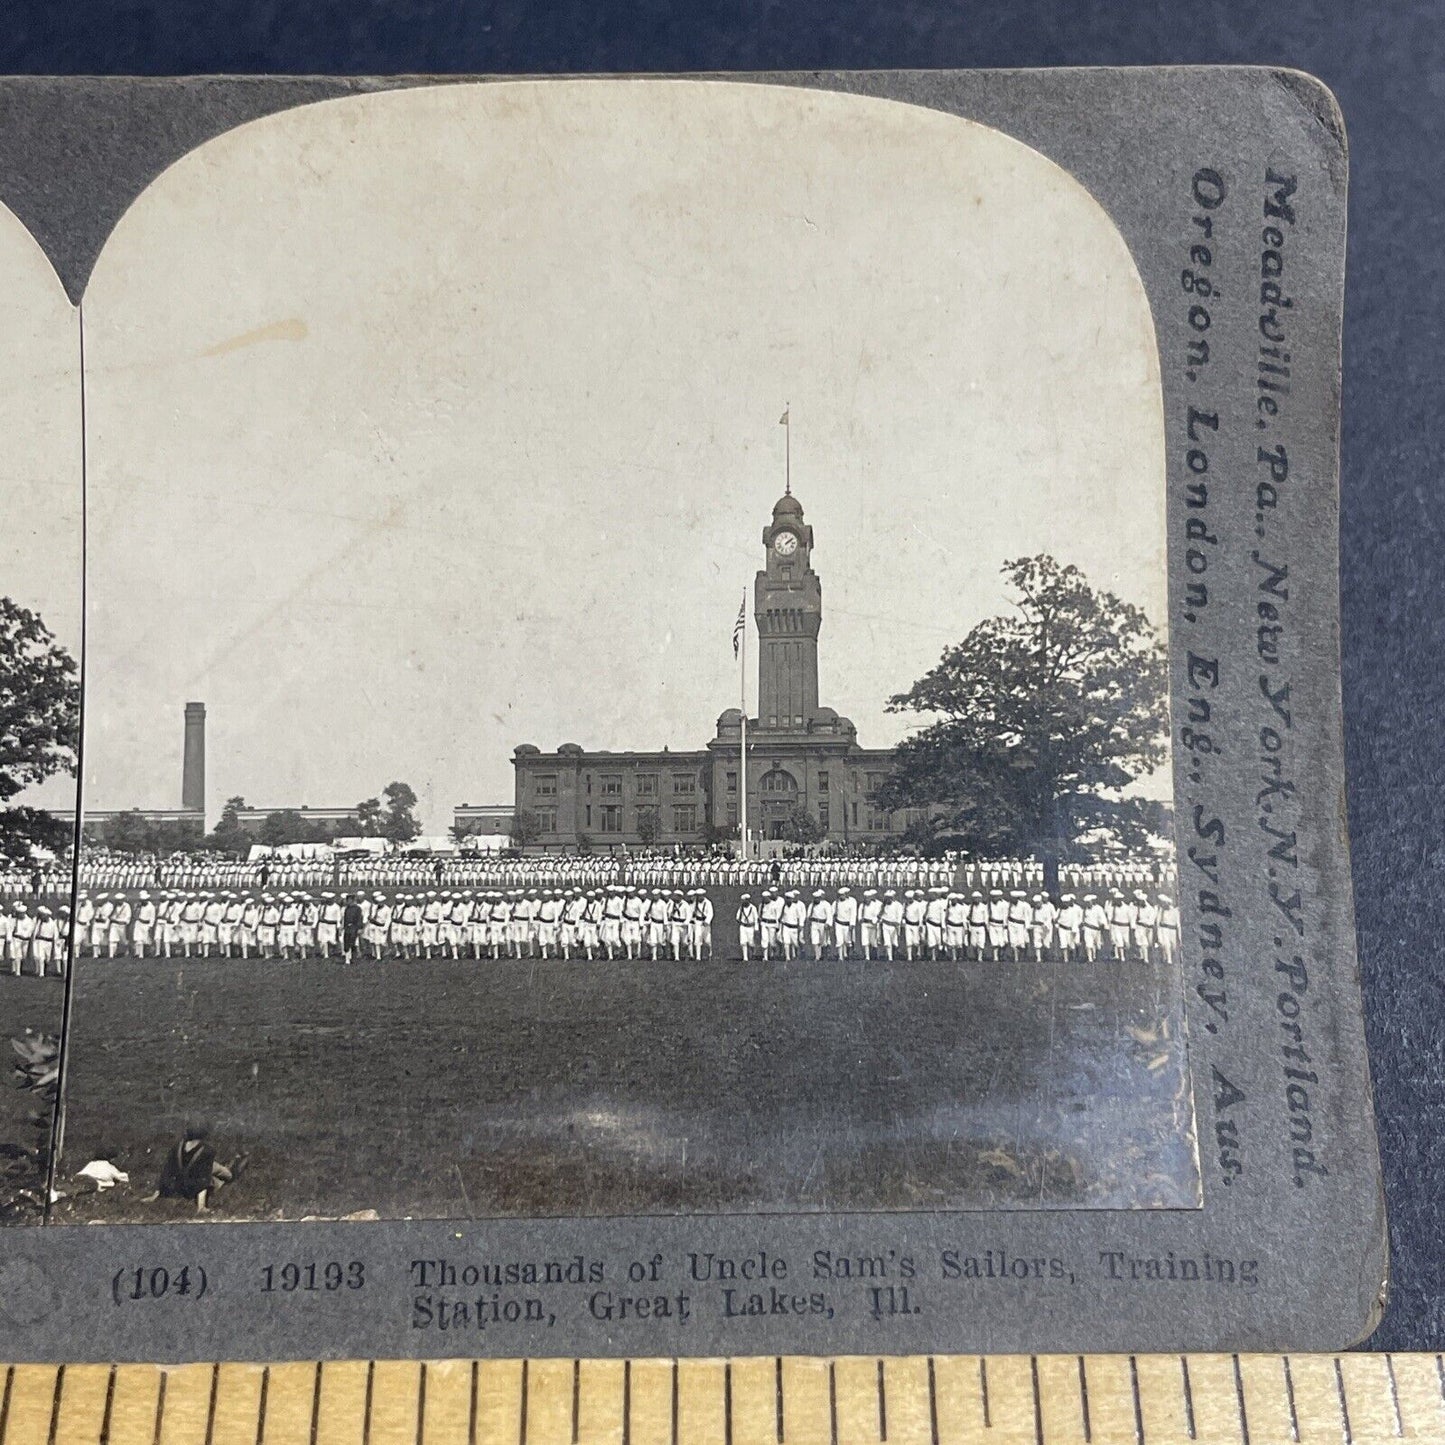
[466, 1089]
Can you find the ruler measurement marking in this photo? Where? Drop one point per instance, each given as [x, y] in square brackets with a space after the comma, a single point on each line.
[1239, 1395]
[316, 1403]
[675, 1402]
[211, 1405]
[1138, 1406]
[420, 1402]
[1084, 1402]
[1038, 1404]
[932, 1403]
[160, 1407]
[778, 1393]
[5, 1402]
[104, 1436]
[55, 1405]
[1188, 1397]
[366, 1412]
[882, 1405]
[1394, 1394]
[833, 1402]
[728, 1402]
[261, 1408]
[627, 1402]
[983, 1391]
[1344, 1408]
[576, 1400]
[1289, 1395]
[522, 1410]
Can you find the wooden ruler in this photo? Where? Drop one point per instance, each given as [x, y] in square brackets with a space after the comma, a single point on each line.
[1351, 1399]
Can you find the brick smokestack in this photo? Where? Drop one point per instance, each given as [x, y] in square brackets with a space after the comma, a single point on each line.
[193, 772]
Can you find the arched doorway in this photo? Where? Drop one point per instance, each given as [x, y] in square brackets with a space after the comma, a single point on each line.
[779, 789]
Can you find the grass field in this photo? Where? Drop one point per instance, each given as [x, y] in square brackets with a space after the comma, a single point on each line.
[455, 1089]
[35, 1006]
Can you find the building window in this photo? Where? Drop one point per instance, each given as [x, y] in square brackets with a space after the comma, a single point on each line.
[732, 782]
[647, 785]
[733, 814]
[823, 816]
[547, 820]
[685, 783]
[772, 720]
[777, 781]
[611, 818]
[875, 781]
[822, 782]
[611, 785]
[684, 818]
[855, 815]
[546, 785]
[589, 815]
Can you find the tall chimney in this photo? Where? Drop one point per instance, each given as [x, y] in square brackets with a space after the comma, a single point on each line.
[193, 771]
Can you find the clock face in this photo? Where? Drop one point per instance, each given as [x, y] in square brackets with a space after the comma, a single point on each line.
[785, 544]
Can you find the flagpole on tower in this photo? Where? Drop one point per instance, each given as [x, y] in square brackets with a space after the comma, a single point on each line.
[740, 652]
[743, 733]
[786, 424]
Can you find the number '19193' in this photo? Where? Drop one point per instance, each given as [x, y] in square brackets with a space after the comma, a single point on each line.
[313, 1276]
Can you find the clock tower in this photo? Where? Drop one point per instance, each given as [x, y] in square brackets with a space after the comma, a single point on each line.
[788, 609]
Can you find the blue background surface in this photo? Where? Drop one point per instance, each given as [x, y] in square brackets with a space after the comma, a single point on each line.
[1386, 63]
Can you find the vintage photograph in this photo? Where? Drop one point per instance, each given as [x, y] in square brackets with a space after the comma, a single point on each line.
[625, 672]
[40, 643]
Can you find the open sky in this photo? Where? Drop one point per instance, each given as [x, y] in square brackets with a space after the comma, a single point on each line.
[428, 423]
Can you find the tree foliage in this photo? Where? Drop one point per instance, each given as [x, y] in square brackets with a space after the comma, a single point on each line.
[230, 834]
[1043, 716]
[399, 821]
[800, 826]
[649, 826]
[39, 725]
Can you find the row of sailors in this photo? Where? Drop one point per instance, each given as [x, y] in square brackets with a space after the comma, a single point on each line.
[938, 923]
[616, 922]
[34, 939]
[598, 870]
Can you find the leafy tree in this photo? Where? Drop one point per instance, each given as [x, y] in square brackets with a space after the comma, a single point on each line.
[1044, 715]
[649, 828]
[368, 817]
[526, 828]
[399, 822]
[229, 835]
[128, 832]
[176, 837]
[39, 724]
[800, 826]
[285, 826]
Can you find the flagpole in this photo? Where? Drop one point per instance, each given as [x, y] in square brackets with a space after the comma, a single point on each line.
[743, 735]
[788, 449]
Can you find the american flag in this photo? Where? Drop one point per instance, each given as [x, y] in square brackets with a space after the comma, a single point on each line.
[739, 625]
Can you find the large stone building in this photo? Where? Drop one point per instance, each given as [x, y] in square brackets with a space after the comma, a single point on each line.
[800, 755]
